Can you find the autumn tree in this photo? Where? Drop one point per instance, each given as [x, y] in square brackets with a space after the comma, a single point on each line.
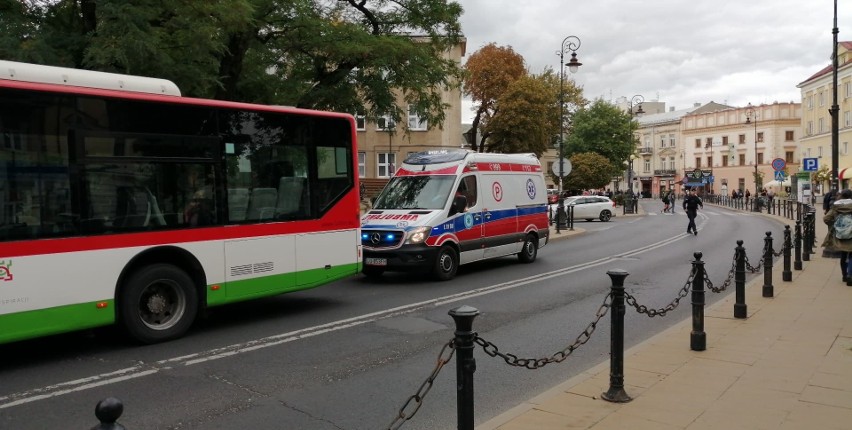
[589, 170]
[524, 121]
[489, 73]
[346, 55]
[604, 129]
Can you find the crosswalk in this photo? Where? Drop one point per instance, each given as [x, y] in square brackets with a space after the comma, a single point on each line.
[704, 211]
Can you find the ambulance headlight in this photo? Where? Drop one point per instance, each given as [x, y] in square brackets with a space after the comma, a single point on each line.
[418, 235]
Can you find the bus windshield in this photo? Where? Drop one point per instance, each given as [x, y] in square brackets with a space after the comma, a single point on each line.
[416, 192]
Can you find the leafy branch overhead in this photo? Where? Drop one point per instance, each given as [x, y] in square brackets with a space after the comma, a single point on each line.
[344, 55]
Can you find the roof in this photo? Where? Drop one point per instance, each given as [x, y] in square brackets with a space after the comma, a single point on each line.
[676, 115]
[846, 47]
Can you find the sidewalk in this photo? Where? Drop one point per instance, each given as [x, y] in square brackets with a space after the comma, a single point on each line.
[787, 366]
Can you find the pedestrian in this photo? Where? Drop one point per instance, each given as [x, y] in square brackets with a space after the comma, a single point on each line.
[665, 198]
[691, 203]
[672, 200]
[837, 240]
[827, 200]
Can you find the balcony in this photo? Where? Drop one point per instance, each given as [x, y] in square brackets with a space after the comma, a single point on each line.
[663, 172]
[646, 150]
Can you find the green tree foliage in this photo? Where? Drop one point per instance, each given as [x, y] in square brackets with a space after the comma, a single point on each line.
[589, 170]
[604, 129]
[345, 55]
[524, 121]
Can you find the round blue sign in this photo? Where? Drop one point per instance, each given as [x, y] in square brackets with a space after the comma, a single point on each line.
[779, 164]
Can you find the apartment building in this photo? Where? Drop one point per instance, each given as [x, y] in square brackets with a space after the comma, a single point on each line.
[384, 145]
[738, 144]
[817, 98]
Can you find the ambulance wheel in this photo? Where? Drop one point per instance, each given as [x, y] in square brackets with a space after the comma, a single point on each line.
[372, 271]
[158, 303]
[605, 216]
[447, 263]
[530, 250]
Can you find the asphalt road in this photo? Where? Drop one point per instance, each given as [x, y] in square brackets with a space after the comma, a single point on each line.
[349, 355]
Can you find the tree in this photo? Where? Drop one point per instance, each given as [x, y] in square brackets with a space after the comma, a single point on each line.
[346, 55]
[524, 122]
[589, 170]
[604, 129]
[489, 73]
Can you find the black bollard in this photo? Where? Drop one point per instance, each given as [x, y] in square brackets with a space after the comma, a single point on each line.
[616, 392]
[108, 411]
[571, 218]
[697, 338]
[465, 364]
[740, 308]
[806, 236]
[797, 264]
[768, 288]
[787, 274]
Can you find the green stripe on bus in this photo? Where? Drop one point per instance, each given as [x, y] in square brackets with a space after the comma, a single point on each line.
[235, 291]
[24, 325]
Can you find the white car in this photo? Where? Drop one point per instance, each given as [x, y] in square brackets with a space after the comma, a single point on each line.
[591, 207]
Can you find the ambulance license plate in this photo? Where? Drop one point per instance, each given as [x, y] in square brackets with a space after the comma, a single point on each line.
[376, 261]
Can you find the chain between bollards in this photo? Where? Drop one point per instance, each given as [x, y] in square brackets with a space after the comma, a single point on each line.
[740, 308]
[616, 392]
[697, 338]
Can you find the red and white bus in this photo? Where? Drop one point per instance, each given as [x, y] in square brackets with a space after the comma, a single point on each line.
[121, 201]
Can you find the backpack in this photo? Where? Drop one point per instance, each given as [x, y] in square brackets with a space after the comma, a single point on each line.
[843, 226]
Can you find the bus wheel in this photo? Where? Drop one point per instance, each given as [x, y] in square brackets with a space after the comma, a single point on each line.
[447, 263]
[372, 271]
[158, 303]
[530, 249]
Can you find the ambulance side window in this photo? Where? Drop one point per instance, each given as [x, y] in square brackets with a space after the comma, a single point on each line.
[467, 188]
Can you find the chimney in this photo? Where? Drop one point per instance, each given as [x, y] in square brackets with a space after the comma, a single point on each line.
[696, 105]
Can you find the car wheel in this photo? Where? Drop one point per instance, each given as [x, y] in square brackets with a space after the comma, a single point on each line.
[605, 216]
[446, 264]
[530, 249]
[372, 271]
[158, 303]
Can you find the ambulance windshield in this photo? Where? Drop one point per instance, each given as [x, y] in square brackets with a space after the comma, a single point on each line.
[416, 192]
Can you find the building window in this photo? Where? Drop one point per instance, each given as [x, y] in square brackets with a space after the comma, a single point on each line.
[647, 165]
[698, 143]
[386, 165]
[742, 139]
[848, 89]
[697, 162]
[759, 158]
[760, 136]
[725, 161]
[362, 164]
[385, 122]
[671, 163]
[708, 142]
[847, 116]
[821, 125]
[742, 159]
[811, 102]
[724, 140]
[710, 161]
[788, 156]
[415, 122]
[809, 129]
[821, 98]
[789, 136]
[360, 122]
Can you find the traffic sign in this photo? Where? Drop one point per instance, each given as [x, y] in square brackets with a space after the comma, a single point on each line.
[566, 167]
[810, 164]
[780, 176]
[779, 164]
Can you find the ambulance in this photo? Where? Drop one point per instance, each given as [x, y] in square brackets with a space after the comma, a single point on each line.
[445, 208]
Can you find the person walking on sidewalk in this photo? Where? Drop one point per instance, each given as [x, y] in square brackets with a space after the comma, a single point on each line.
[691, 203]
[672, 200]
[837, 238]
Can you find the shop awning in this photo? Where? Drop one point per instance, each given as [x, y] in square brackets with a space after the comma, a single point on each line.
[845, 173]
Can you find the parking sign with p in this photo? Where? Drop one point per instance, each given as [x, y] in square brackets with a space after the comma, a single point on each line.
[810, 164]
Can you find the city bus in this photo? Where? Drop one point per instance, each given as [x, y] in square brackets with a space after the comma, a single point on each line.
[123, 202]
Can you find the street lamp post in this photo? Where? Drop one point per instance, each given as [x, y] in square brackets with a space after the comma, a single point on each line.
[752, 113]
[637, 101]
[569, 44]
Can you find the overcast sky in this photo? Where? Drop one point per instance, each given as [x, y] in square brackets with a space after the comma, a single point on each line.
[676, 51]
